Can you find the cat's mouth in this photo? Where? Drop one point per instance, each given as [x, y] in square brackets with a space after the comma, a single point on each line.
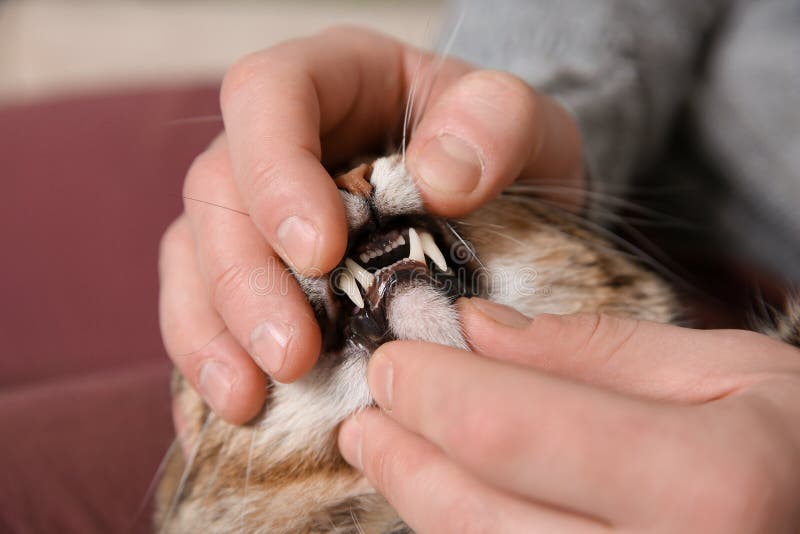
[380, 264]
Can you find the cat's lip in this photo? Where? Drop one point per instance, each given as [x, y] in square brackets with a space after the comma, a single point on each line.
[415, 256]
[368, 325]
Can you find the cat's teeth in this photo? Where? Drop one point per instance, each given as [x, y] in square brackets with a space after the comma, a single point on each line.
[432, 250]
[347, 283]
[362, 276]
[364, 257]
[415, 246]
[400, 241]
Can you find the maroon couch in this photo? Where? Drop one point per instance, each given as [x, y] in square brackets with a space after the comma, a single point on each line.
[89, 185]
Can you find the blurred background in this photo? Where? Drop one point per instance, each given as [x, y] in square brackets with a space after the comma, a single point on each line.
[56, 47]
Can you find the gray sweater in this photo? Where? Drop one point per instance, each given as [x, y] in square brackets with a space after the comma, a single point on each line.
[625, 68]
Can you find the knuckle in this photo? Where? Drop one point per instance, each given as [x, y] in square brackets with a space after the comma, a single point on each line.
[264, 174]
[176, 234]
[202, 172]
[545, 326]
[242, 74]
[603, 336]
[588, 340]
[502, 91]
[259, 70]
[229, 284]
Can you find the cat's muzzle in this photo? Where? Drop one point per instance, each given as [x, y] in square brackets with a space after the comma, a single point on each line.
[383, 263]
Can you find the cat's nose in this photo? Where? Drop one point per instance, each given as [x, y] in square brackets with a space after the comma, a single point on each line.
[356, 181]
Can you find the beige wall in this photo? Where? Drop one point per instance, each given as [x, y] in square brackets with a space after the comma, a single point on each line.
[53, 47]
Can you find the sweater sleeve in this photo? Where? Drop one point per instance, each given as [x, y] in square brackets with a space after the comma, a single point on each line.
[622, 67]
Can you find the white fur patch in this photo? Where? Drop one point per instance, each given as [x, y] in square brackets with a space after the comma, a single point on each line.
[422, 313]
[394, 191]
[356, 209]
[305, 412]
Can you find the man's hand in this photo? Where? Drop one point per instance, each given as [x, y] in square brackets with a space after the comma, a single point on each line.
[287, 110]
[584, 423]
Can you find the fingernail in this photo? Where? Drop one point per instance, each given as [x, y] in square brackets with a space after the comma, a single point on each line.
[499, 313]
[449, 165]
[269, 342]
[216, 384]
[350, 442]
[381, 380]
[299, 238]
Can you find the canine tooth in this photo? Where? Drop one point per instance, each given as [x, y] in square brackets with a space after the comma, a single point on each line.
[432, 250]
[347, 283]
[415, 246]
[362, 276]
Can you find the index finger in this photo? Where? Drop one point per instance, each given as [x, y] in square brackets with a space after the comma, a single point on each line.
[539, 436]
[345, 87]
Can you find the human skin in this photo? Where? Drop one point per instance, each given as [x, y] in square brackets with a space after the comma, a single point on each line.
[585, 424]
[288, 111]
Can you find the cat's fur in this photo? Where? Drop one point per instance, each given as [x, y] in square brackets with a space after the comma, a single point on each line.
[282, 472]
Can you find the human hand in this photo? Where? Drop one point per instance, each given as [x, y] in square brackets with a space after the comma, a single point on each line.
[584, 423]
[287, 111]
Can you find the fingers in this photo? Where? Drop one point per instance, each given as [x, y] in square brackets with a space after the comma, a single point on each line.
[536, 435]
[195, 336]
[277, 104]
[634, 357]
[258, 299]
[431, 493]
[486, 130]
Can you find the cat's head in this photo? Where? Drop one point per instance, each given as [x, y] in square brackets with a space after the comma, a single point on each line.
[401, 265]
[399, 279]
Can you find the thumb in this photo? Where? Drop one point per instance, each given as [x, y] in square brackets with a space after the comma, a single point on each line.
[630, 356]
[486, 130]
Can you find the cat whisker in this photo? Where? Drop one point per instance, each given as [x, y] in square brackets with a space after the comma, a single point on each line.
[659, 265]
[466, 245]
[216, 205]
[162, 465]
[506, 236]
[247, 477]
[356, 522]
[218, 464]
[185, 475]
[437, 68]
[598, 198]
[409, 107]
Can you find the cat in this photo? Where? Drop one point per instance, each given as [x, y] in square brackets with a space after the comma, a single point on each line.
[400, 277]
